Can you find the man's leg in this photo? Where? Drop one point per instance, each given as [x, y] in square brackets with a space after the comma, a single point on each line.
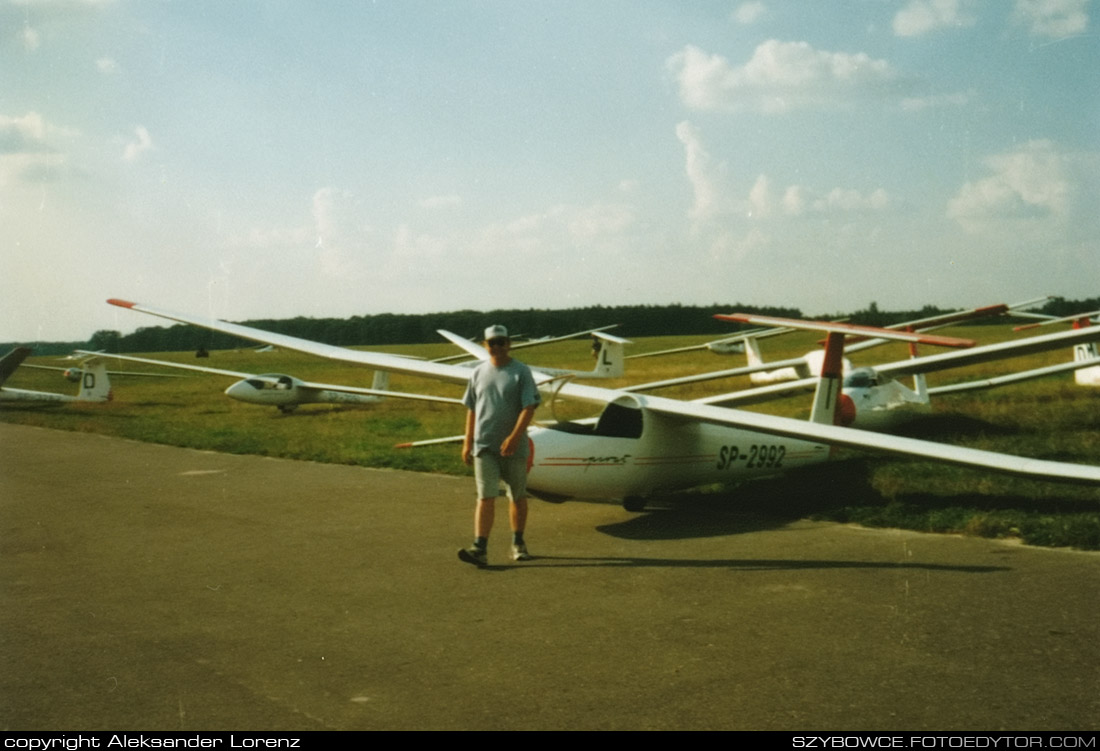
[515, 474]
[487, 477]
[483, 517]
[517, 514]
[477, 553]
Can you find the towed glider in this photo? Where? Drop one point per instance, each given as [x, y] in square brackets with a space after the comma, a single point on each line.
[641, 445]
[287, 392]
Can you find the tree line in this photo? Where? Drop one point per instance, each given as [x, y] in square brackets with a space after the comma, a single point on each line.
[410, 328]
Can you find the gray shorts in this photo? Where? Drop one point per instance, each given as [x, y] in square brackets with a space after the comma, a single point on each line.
[491, 468]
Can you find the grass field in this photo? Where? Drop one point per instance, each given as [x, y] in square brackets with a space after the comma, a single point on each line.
[1050, 418]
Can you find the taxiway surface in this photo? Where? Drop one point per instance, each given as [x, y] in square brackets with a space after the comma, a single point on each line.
[150, 587]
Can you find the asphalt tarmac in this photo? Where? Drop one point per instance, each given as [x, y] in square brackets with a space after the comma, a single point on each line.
[155, 588]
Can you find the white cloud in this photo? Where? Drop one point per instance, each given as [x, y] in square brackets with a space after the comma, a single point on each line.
[794, 201]
[847, 199]
[798, 199]
[31, 39]
[1052, 18]
[28, 152]
[917, 104]
[922, 16]
[437, 202]
[1029, 182]
[715, 201]
[106, 65]
[592, 223]
[22, 134]
[700, 170]
[136, 148]
[748, 13]
[760, 199]
[779, 76]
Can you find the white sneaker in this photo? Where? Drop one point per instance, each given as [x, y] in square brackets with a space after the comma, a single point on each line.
[519, 553]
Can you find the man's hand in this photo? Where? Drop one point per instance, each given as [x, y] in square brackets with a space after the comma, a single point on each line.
[467, 454]
[511, 443]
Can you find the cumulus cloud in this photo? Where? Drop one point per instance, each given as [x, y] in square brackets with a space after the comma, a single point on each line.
[760, 198]
[936, 101]
[797, 200]
[597, 228]
[748, 13]
[1052, 18]
[28, 150]
[847, 199]
[780, 76]
[714, 200]
[22, 134]
[437, 202]
[31, 39]
[794, 201]
[1028, 182]
[590, 223]
[700, 170]
[922, 16]
[142, 143]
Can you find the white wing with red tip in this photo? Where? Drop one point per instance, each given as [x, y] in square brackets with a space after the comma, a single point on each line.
[672, 412]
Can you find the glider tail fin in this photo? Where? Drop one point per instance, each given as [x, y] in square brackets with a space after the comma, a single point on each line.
[831, 406]
[752, 351]
[95, 385]
[610, 358]
[11, 361]
[381, 380]
[1082, 352]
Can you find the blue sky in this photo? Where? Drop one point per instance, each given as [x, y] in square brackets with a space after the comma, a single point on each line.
[275, 159]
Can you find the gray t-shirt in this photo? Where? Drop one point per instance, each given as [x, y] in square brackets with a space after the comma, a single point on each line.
[497, 396]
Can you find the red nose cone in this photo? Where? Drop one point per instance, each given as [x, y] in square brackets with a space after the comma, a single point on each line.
[846, 414]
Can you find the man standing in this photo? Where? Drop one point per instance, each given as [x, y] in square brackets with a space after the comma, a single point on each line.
[501, 398]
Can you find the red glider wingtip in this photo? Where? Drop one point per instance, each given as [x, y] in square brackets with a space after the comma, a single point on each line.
[121, 303]
[846, 328]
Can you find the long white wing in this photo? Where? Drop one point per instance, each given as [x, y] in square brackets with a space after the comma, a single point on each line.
[1045, 320]
[274, 381]
[990, 352]
[671, 408]
[912, 366]
[861, 439]
[166, 364]
[515, 345]
[1025, 375]
[473, 349]
[381, 361]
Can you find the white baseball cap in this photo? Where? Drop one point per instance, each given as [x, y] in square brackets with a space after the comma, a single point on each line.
[496, 332]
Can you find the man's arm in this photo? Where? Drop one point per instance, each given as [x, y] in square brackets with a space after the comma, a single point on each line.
[468, 439]
[519, 432]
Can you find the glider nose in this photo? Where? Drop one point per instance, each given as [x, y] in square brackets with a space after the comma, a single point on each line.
[846, 411]
[242, 391]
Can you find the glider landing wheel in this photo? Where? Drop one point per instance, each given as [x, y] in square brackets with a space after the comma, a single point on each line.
[634, 503]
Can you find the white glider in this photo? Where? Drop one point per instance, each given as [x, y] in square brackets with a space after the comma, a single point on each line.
[95, 384]
[287, 392]
[609, 362]
[642, 445]
[875, 400]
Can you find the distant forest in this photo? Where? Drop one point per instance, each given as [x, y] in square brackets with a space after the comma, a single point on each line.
[394, 328]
